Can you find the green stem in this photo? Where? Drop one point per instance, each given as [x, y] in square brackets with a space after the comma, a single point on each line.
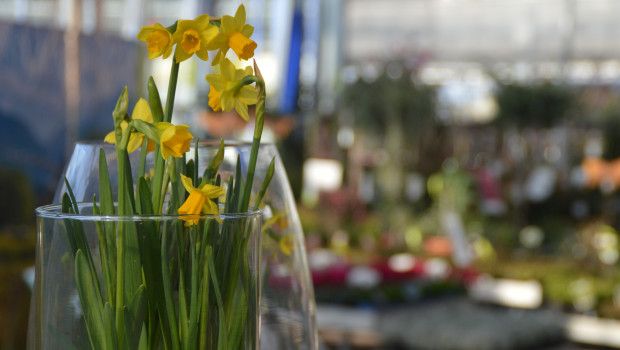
[172, 88]
[172, 316]
[258, 131]
[123, 182]
[160, 167]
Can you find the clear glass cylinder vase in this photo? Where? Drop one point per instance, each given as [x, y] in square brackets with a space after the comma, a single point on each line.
[288, 304]
[145, 282]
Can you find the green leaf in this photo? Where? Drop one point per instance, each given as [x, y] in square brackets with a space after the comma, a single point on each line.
[214, 164]
[105, 189]
[74, 205]
[108, 244]
[132, 264]
[110, 329]
[148, 237]
[155, 101]
[222, 343]
[189, 170]
[142, 162]
[266, 182]
[238, 323]
[196, 162]
[103, 254]
[194, 307]
[129, 183]
[245, 202]
[66, 205]
[143, 344]
[75, 231]
[134, 317]
[167, 289]
[238, 187]
[90, 299]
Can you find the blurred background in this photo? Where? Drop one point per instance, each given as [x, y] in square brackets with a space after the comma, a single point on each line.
[455, 162]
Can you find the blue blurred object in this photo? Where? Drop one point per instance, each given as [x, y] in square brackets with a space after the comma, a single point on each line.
[22, 152]
[33, 107]
[288, 102]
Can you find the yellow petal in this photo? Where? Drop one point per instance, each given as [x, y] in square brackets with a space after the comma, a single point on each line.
[247, 30]
[135, 141]
[180, 55]
[214, 99]
[216, 81]
[227, 101]
[227, 69]
[188, 184]
[142, 111]
[242, 46]
[242, 110]
[248, 95]
[203, 54]
[150, 146]
[218, 42]
[240, 15]
[209, 207]
[212, 191]
[175, 141]
[209, 34]
[227, 25]
[202, 21]
[110, 138]
[287, 243]
[162, 125]
[192, 206]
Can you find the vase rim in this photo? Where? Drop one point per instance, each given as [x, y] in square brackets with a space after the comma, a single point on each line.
[55, 211]
[208, 143]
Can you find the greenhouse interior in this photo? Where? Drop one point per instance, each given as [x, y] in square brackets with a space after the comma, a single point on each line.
[446, 171]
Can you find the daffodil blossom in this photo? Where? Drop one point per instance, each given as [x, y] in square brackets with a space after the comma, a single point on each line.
[192, 36]
[174, 140]
[199, 200]
[142, 112]
[230, 92]
[234, 34]
[287, 243]
[158, 39]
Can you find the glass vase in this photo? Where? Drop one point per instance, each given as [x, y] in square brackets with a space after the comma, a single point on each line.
[145, 282]
[288, 304]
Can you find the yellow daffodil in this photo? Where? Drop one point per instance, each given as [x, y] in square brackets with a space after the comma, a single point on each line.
[174, 139]
[158, 39]
[140, 111]
[234, 34]
[287, 243]
[192, 37]
[199, 200]
[229, 91]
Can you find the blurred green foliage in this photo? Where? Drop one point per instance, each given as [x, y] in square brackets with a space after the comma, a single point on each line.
[534, 105]
[17, 246]
[17, 198]
[556, 276]
[400, 100]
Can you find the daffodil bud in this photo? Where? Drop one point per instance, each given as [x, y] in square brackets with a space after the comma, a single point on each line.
[119, 112]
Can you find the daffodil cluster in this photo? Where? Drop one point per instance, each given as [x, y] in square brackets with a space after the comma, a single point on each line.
[230, 88]
[172, 268]
[198, 36]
